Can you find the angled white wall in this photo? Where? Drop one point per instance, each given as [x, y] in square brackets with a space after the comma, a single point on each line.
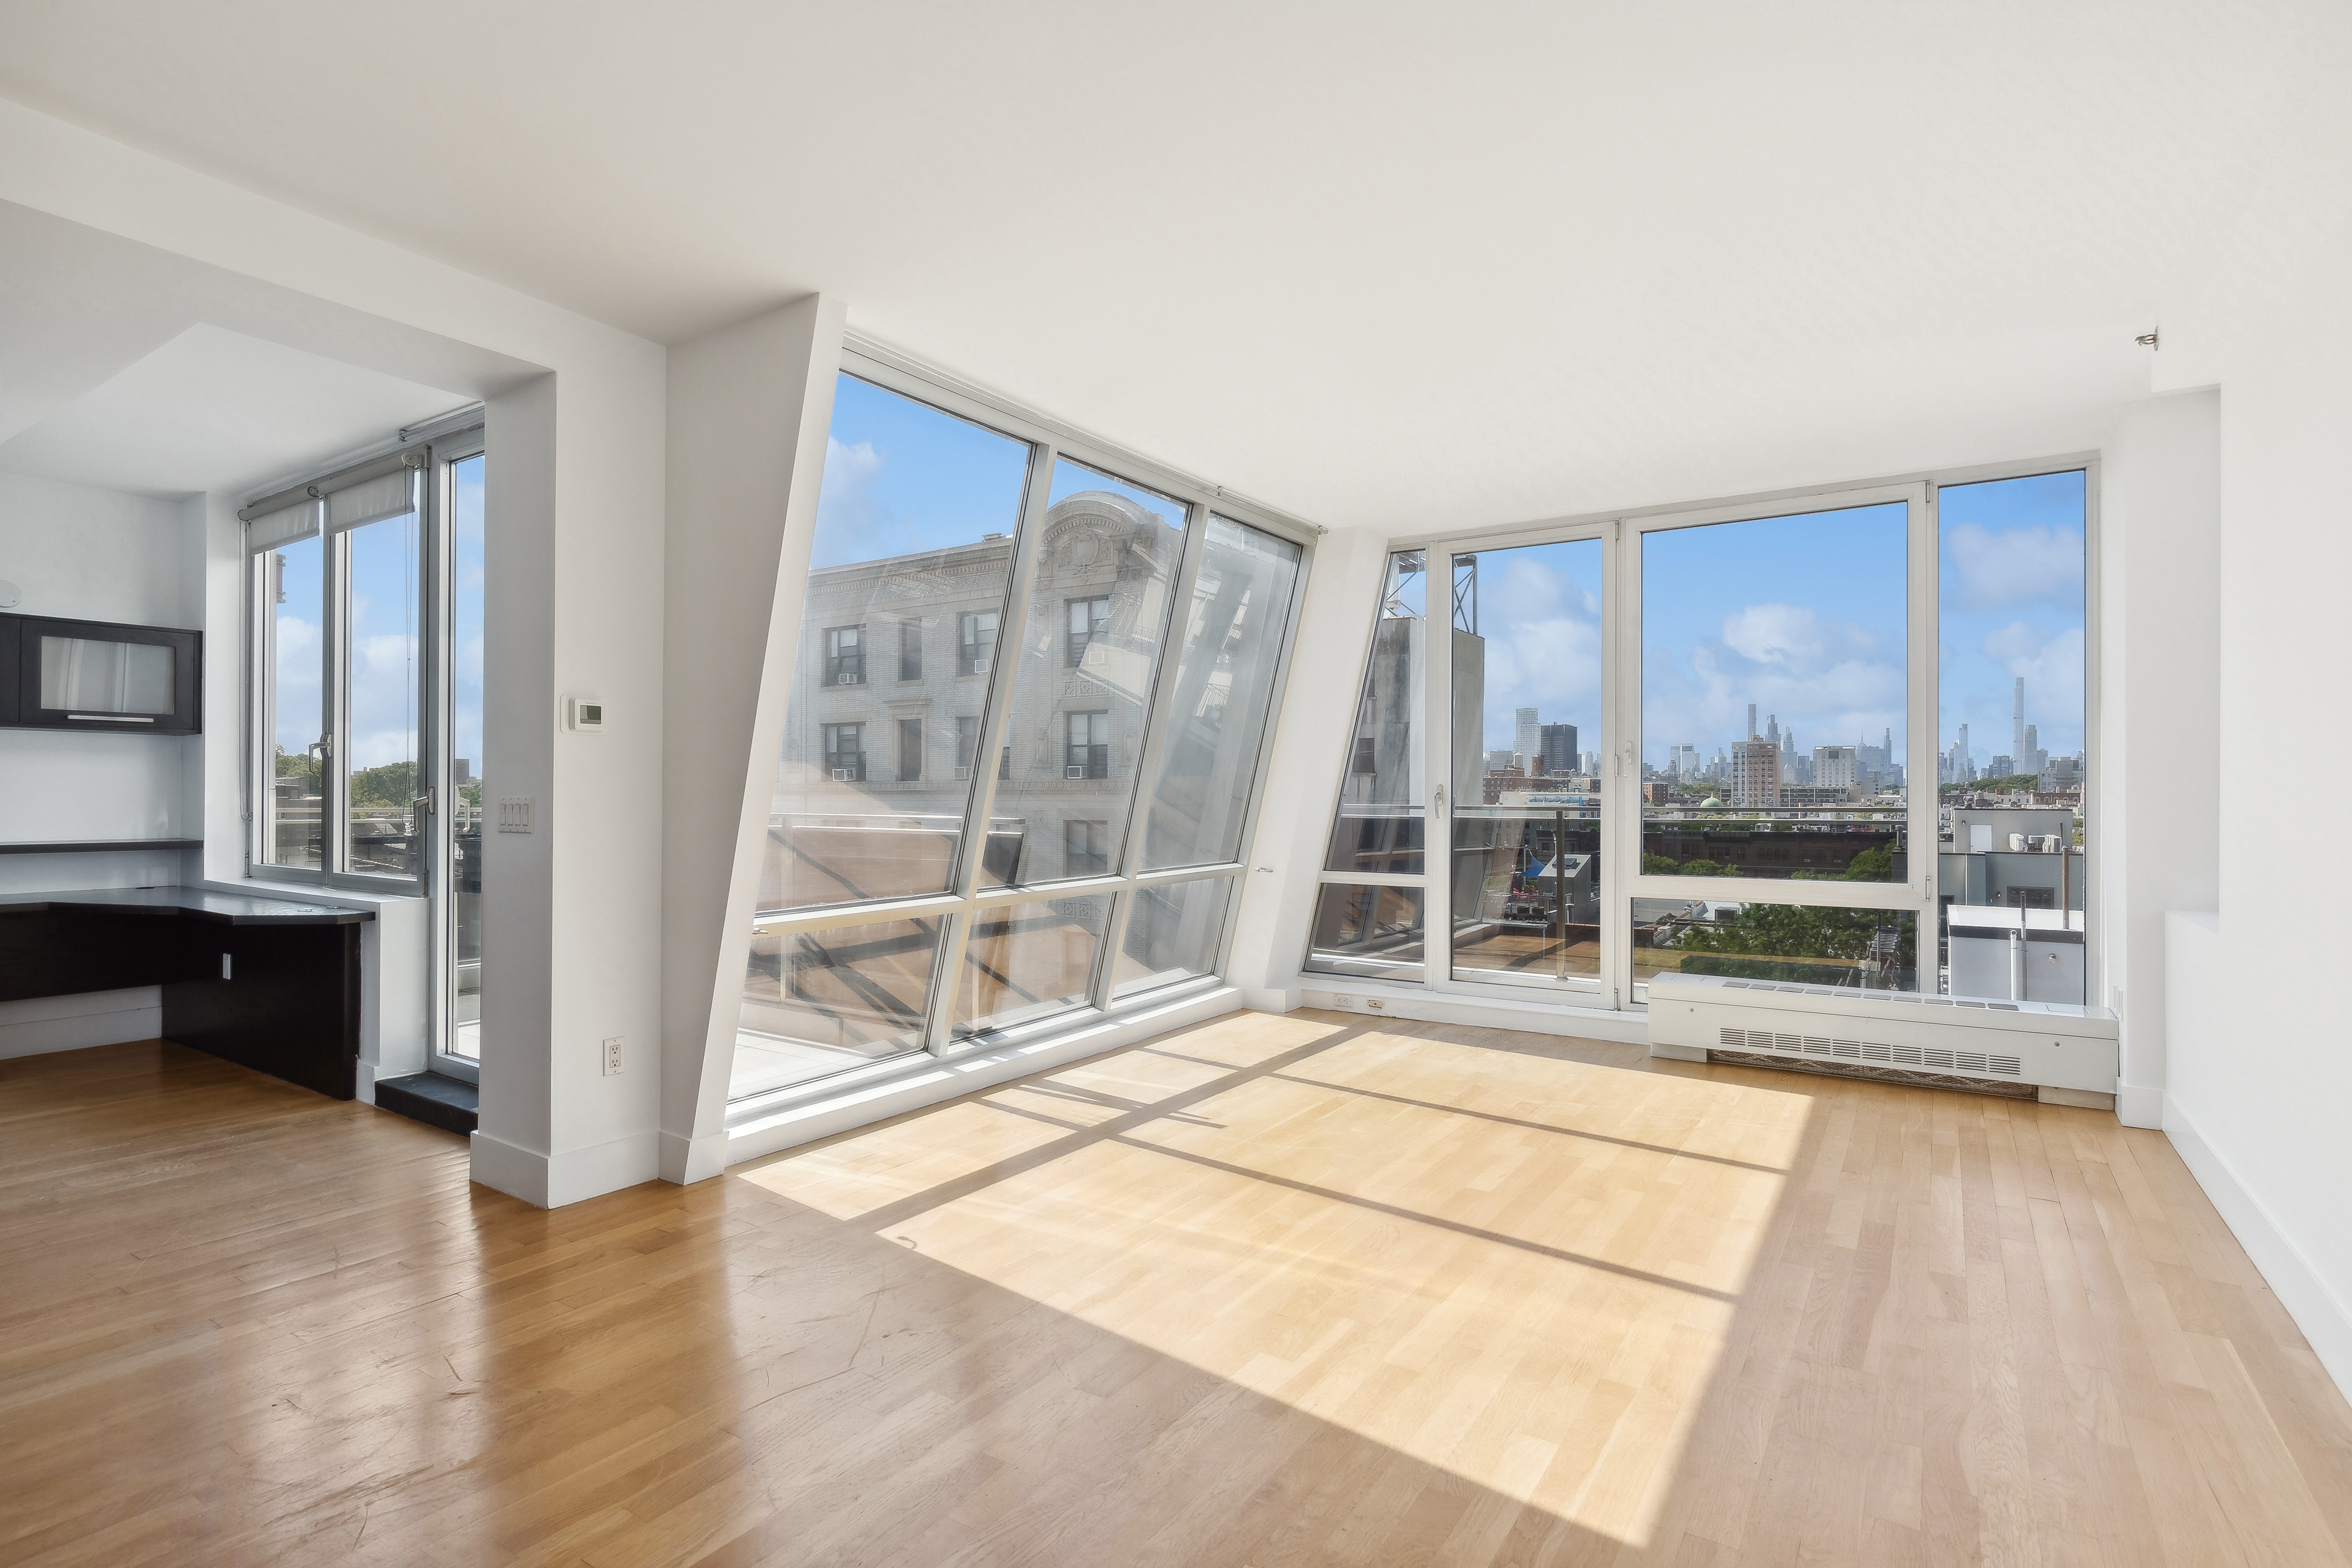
[750, 409]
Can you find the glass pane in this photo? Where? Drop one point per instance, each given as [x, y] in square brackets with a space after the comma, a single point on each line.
[1871, 948]
[1527, 720]
[913, 551]
[818, 1001]
[1369, 931]
[1028, 962]
[1225, 685]
[381, 627]
[1173, 934]
[94, 677]
[2010, 740]
[468, 768]
[293, 594]
[1383, 791]
[1110, 558]
[1754, 634]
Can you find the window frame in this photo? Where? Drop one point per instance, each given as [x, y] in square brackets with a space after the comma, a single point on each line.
[1076, 642]
[845, 646]
[966, 903]
[423, 461]
[1620, 740]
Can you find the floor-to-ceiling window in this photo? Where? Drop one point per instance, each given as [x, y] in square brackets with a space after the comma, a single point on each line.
[1035, 810]
[1836, 739]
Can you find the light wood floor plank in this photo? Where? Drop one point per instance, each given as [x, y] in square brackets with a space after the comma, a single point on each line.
[1306, 1290]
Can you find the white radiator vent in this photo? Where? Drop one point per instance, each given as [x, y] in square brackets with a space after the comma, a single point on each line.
[2013, 1043]
[1830, 1049]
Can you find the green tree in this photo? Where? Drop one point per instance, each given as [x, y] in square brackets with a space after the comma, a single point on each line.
[1658, 866]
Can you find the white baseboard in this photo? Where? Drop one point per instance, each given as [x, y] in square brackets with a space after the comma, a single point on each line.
[366, 1093]
[1536, 1015]
[39, 1025]
[550, 1182]
[2136, 1105]
[685, 1158]
[2305, 1296]
[811, 1119]
[1267, 1000]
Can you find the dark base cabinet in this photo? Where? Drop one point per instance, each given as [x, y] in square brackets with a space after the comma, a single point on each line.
[289, 1006]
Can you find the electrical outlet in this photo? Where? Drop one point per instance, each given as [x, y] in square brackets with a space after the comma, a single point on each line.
[1376, 1004]
[612, 1055]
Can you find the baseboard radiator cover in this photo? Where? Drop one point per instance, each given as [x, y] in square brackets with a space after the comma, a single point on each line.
[2028, 1044]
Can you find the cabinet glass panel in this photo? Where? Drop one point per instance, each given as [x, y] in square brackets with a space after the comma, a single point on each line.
[1774, 684]
[88, 676]
[913, 553]
[1526, 822]
[382, 619]
[1107, 563]
[1027, 961]
[1218, 708]
[293, 588]
[816, 1002]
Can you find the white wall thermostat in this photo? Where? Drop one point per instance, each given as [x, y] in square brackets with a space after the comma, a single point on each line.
[584, 713]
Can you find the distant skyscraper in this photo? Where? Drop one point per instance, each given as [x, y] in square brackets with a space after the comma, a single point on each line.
[1497, 760]
[1833, 767]
[1556, 744]
[1752, 724]
[1682, 761]
[1528, 745]
[1756, 774]
[2018, 746]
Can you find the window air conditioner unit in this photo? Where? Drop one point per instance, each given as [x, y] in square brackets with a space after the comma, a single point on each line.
[845, 678]
[1075, 771]
[2038, 1043]
[964, 773]
[842, 775]
[979, 667]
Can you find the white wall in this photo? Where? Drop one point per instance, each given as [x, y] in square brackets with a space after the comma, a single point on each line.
[573, 912]
[94, 555]
[2160, 758]
[750, 410]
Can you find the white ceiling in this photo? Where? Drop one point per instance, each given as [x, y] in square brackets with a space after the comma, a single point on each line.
[214, 410]
[1381, 263]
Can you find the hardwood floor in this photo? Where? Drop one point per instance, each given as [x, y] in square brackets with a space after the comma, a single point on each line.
[1264, 1291]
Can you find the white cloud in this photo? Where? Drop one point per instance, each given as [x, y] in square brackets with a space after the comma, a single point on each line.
[2014, 566]
[845, 501]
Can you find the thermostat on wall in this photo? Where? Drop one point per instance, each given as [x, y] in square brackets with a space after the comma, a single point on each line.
[584, 713]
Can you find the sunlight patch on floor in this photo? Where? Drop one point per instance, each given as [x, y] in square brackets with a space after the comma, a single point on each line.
[1519, 1267]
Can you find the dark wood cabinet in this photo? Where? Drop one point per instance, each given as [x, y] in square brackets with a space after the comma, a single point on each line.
[101, 676]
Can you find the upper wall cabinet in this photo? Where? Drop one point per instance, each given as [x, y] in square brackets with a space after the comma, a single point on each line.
[94, 675]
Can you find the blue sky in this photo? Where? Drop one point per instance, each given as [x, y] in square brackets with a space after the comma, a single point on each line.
[902, 479]
[468, 630]
[2010, 586]
[1540, 613]
[1801, 616]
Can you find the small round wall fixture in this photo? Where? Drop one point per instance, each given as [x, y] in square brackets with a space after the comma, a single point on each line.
[10, 594]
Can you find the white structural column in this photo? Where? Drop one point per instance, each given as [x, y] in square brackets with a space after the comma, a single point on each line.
[750, 409]
[2159, 784]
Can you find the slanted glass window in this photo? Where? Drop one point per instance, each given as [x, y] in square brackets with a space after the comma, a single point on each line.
[1085, 847]
[844, 656]
[1219, 707]
[1386, 792]
[917, 509]
[1076, 734]
[1053, 584]
[2012, 862]
[1088, 618]
[1374, 933]
[975, 642]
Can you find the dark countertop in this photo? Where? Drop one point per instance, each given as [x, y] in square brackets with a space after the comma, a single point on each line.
[186, 903]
